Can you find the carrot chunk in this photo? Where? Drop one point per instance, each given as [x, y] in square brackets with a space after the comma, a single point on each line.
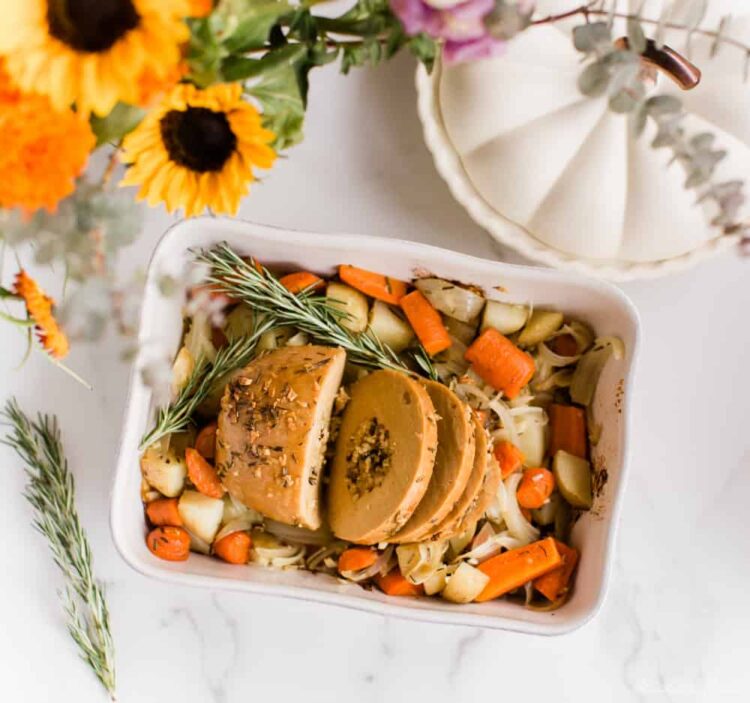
[356, 559]
[567, 430]
[509, 457]
[516, 567]
[164, 512]
[500, 363]
[394, 584]
[205, 442]
[302, 280]
[535, 488]
[555, 583]
[202, 474]
[169, 543]
[426, 323]
[234, 548]
[389, 290]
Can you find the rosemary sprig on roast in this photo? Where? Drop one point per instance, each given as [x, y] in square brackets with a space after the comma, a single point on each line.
[51, 493]
[178, 415]
[312, 314]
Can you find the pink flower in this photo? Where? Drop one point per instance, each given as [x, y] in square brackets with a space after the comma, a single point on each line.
[460, 24]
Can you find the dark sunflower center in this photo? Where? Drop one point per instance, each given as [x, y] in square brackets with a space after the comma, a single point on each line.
[90, 25]
[198, 138]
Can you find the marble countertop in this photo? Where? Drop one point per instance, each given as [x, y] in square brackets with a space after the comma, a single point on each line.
[674, 625]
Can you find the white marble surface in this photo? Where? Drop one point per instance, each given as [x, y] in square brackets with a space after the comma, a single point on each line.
[675, 624]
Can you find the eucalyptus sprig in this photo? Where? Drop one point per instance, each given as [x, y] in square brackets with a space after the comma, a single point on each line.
[51, 493]
[253, 284]
[178, 415]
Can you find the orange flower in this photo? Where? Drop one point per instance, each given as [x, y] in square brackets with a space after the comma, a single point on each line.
[200, 8]
[39, 308]
[42, 151]
[9, 92]
[151, 88]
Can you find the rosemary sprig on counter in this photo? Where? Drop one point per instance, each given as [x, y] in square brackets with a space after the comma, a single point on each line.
[51, 493]
[177, 416]
[254, 285]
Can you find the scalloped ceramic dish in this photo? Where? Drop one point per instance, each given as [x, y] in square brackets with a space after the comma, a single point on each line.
[598, 303]
[505, 230]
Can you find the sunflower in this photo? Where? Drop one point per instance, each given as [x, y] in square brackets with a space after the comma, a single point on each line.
[39, 308]
[197, 149]
[42, 151]
[90, 52]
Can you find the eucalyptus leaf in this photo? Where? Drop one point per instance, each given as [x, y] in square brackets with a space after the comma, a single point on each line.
[588, 37]
[701, 141]
[663, 105]
[623, 102]
[594, 80]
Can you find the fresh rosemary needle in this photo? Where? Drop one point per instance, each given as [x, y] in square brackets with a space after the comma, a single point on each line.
[253, 284]
[51, 493]
[177, 416]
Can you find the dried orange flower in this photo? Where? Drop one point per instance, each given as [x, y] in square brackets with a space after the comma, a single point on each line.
[39, 308]
[200, 8]
[9, 92]
[42, 151]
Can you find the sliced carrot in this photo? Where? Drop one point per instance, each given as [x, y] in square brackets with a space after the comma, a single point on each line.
[169, 543]
[564, 345]
[302, 280]
[554, 584]
[389, 290]
[567, 430]
[205, 442]
[202, 474]
[426, 323]
[356, 559]
[500, 363]
[234, 548]
[509, 457]
[163, 511]
[394, 584]
[535, 488]
[514, 568]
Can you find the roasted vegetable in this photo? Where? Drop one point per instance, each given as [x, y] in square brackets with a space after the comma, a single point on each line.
[200, 514]
[389, 328]
[165, 471]
[239, 322]
[453, 300]
[465, 584]
[351, 302]
[506, 318]
[573, 476]
[541, 326]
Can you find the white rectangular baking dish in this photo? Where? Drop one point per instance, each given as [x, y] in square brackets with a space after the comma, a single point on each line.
[596, 302]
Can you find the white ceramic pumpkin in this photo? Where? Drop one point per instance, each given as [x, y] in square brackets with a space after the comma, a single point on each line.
[558, 176]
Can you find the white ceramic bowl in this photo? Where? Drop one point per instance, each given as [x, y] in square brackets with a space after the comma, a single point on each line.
[504, 230]
[599, 303]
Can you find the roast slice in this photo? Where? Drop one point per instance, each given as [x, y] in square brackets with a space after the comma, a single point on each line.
[492, 477]
[452, 522]
[273, 429]
[385, 452]
[453, 464]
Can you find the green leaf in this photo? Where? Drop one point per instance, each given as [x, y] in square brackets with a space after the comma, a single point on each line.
[255, 18]
[281, 91]
[594, 80]
[425, 49]
[121, 120]
[587, 37]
